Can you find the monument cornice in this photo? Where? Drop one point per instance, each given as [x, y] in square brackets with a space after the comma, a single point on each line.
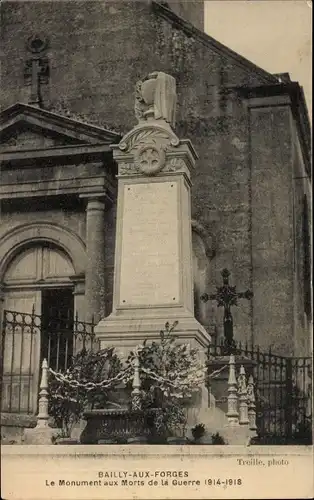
[152, 148]
[173, 163]
[157, 130]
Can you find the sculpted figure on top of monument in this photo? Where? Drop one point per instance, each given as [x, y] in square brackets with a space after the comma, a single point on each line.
[156, 98]
[153, 138]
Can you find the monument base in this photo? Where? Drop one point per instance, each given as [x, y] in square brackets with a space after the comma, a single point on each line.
[216, 423]
[40, 435]
[126, 330]
[237, 435]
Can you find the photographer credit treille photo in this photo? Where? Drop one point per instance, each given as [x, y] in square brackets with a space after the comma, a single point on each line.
[156, 249]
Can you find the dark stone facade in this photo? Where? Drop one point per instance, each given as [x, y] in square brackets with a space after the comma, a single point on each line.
[249, 130]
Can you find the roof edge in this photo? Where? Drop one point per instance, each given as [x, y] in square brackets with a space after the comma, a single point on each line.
[220, 48]
[19, 107]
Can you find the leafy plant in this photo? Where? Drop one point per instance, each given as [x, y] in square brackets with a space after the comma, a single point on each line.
[73, 391]
[170, 374]
[218, 439]
[198, 431]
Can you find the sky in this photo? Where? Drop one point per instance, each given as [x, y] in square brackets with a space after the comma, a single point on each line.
[274, 34]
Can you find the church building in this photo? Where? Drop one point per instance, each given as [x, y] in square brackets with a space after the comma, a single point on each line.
[69, 71]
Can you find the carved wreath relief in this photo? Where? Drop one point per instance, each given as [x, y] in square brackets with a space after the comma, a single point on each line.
[148, 145]
[150, 159]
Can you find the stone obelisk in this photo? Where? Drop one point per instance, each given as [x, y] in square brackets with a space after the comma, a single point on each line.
[153, 280]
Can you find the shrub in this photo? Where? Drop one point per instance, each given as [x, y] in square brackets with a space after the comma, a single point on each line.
[198, 431]
[218, 439]
[68, 395]
[170, 374]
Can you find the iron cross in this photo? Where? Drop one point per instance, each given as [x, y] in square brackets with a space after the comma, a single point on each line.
[226, 296]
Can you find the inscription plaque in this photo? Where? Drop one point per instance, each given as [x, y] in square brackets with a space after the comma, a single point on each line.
[149, 271]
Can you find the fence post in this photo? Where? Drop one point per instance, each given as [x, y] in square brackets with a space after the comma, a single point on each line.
[136, 392]
[289, 399]
[139, 436]
[42, 433]
[243, 396]
[43, 415]
[232, 413]
[251, 404]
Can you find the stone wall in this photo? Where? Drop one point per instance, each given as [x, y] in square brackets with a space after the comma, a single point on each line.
[272, 227]
[93, 65]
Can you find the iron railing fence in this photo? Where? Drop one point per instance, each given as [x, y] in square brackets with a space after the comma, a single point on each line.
[26, 341]
[283, 391]
[62, 338]
[283, 384]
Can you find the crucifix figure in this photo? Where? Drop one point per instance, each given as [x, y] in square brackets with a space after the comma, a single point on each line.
[227, 296]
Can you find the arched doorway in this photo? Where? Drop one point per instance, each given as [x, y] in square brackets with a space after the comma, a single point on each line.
[39, 312]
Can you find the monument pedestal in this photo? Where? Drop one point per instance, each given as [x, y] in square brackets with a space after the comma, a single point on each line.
[125, 332]
[40, 435]
[153, 281]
